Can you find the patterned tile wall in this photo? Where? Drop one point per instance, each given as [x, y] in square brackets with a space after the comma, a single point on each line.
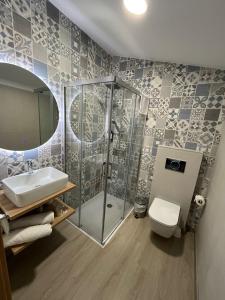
[186, 103]
[37, 36]
[186, 109]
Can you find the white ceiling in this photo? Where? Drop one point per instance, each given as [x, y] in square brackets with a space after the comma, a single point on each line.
[181, 31]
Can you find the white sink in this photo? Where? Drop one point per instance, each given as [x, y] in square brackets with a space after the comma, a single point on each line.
[27, 188]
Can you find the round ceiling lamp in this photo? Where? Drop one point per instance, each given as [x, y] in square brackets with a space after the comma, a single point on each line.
[137, 7]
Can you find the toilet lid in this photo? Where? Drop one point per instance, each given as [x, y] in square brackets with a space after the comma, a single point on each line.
[164, 212]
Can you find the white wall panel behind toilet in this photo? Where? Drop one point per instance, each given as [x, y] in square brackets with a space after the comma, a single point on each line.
[176, 187]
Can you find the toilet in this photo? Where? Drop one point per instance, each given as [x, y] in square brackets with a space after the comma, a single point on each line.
[164, 217]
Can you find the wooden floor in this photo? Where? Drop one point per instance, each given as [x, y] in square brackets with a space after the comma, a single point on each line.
[136, 264]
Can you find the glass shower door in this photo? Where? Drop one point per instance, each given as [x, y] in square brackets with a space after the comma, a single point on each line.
[119, 159]
[94, 124]
[101, 154]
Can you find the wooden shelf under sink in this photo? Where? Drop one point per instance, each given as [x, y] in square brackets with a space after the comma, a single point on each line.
[58, 219]
[13, 212]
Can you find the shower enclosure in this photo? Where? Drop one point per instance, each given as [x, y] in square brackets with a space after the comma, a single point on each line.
[103, 139]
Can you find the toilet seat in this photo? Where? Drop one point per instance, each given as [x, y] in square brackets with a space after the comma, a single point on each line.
[164, 212]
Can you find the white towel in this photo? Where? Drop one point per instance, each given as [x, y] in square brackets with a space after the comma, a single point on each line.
[26, 235]
[5, 224]
[37, 219]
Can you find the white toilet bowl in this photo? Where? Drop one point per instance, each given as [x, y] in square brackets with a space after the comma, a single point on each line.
[164, 217]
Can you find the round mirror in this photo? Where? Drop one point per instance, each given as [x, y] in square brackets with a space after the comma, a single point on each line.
[29, 113]
[87, 117]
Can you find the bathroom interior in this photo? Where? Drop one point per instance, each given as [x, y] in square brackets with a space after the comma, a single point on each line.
[111, 149]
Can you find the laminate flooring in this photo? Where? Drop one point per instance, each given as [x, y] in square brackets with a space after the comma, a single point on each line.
[135, 264]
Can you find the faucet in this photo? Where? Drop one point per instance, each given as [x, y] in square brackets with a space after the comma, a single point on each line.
[30, 166]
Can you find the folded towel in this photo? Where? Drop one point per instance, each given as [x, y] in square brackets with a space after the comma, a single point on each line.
[5, 224]
[37, 219]
[26, 235]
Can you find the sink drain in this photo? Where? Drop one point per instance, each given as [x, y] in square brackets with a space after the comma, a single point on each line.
[109, 205]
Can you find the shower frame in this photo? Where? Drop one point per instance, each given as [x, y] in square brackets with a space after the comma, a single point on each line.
[113, 80]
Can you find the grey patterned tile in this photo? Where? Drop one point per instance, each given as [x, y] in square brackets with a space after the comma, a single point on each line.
[167, 79]
[164, 103]
[154, 102]
[175, 102]
[159, 134]
[193, 136]
[219, 76]
[217, 89]
[165, 91]
[6, 38]
[180, 69]
[209, 126]
[207, 75]
[39, 52]
[189, 90]
[54, 44]
[24, 61]
[52, 12]
[65, 64]
[191, 146]
[215, 101]
[3, 165]
[5, 15]
[169, 68]
[138, 73]
[212, 114]
[38, 17]
[191, 69]
[52, 28]
[6, 2]
[56, 149]
[22, 8]
[39, 35]
[182, 125]
[200, 102]
[53, 59]
[65, 36]
[195, 125]
[203, 90]
[171, 124]
[185, 114]
[7, 56]
[169, 134]
[39, 5]
[187, 102]
[31, 154]
[198, 114]
[40, 69]
[15, 168]
[179, 139]
[192, 78]
[21, 25]
[206, 138]
[177, 90]
[64, 21]
[23, 44]
[158, 69]
[160, 122]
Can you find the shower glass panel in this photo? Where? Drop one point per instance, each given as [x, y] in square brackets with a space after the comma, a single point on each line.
[101, 124]
[95, 102]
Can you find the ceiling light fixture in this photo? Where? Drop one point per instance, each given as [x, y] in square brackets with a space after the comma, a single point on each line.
[137, 7]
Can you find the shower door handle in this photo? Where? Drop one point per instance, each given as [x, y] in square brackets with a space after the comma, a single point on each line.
[109, 171]
[109, 175]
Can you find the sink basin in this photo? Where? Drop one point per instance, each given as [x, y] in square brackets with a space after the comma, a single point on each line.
[27, 188]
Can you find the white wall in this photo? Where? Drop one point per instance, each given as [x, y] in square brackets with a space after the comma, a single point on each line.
[210, 237]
